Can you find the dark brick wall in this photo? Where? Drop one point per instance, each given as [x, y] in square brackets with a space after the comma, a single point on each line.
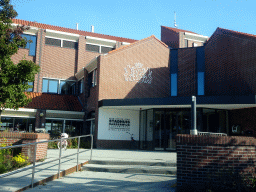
[117, 144]
[198, 157]
[230, 64]
[170, 37]
[186, 72]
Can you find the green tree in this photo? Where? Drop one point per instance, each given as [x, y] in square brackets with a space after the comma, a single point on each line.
[14, 78]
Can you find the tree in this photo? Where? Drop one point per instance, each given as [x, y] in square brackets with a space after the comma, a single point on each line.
[14, 78]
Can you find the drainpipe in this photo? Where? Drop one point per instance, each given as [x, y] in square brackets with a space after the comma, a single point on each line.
[193, 130]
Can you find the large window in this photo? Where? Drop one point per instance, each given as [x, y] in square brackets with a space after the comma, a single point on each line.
[61, 43]
[17, 123]
[98, 48]
[66, 87]
[31, 43]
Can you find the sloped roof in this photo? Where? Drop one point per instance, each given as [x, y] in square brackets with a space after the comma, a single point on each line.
[53, 102]
[230, 32]
[137, 42]
[177, 30]
[68, 30]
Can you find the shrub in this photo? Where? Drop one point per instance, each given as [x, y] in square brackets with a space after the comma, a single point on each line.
[8, 161]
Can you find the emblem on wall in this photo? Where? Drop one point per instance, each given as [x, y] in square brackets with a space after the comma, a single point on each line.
[119, 124]
[138, 73]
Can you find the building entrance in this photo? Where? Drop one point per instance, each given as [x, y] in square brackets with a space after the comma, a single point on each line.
[158, 127]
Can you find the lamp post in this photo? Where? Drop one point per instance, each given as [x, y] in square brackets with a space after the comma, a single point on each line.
[193, 130]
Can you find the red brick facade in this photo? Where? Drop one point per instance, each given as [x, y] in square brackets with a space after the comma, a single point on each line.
[152, 54]
[13, 138]
[200, 157]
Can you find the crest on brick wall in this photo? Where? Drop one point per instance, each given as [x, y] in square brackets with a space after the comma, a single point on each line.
[138, 73]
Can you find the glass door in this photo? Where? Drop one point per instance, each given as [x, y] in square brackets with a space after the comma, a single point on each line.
[159, 130]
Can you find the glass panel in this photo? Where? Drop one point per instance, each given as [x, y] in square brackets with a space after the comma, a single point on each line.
[143, 132]
[48, 126]
[57, 128]
[93, 48]
[70, 44]
[20, 124]
[184, 123]
[32, 46]
[174, 84]
[53, 86]
[159, 129]
[51, 41]
[106, 49]
[80, 86]
[200, 83]
[7, 124]
[170, 119]
[45, 86]
[31, 125]
[150, 132]
[70, 128]
[67, 87]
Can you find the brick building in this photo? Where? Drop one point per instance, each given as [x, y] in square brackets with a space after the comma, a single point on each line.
[116, 87]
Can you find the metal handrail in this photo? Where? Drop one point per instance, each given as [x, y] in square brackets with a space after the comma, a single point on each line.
[60, 156]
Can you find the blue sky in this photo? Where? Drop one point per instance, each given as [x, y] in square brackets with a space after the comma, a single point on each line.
[138, 19]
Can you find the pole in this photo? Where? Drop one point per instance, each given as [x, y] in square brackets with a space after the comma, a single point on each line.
[193, 130]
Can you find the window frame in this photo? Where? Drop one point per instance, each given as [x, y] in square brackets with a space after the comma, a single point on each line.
[61, 42]
[58, 86]
[28, 45]
[99, 47]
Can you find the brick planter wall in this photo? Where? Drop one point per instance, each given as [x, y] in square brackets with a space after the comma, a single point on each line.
[201, 156]
[15, 138]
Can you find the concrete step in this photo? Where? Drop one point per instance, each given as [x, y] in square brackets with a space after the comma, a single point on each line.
[146, 163]
[133, 167]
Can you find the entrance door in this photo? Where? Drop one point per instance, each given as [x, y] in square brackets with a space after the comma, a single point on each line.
[159, 130]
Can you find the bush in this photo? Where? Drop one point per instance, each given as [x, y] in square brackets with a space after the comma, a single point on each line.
[8, 161]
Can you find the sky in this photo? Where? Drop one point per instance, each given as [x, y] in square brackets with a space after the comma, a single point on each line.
[138, 19]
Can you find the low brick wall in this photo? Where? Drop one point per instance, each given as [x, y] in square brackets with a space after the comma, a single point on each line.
[200, 157]
[16, 138]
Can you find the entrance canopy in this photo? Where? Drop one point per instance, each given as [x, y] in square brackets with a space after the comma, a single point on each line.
[213, 102]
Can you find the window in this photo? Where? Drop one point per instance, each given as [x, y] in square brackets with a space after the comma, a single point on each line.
[50, 86]
[65, 87]
[61, 43]
[98, 48]
[30, 89]
[92, 78]
[31, 43]
[92, 48]
[106, 49]
[80, 86]
[174, 72]
[51, 41]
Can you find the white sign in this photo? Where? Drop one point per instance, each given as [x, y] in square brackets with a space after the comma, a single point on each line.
[138, 73]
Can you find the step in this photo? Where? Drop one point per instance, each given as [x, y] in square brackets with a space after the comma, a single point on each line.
[131, 169]
[146, 163]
